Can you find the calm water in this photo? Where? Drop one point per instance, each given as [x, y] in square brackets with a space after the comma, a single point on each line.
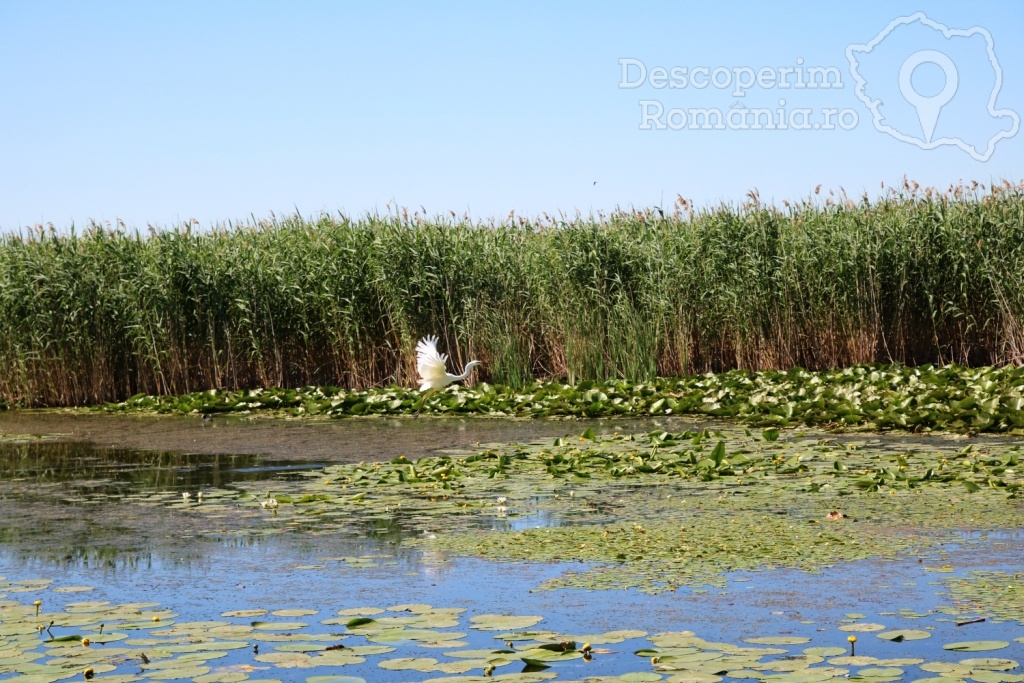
[61, 521]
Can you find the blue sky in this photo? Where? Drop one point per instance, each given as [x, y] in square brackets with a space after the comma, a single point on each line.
[160, 112]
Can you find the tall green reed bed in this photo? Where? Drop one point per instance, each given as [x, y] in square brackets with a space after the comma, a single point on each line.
[914, 277]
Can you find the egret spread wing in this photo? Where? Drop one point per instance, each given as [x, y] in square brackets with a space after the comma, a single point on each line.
[430, 364]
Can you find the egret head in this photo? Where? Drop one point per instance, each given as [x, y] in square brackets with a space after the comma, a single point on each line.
[472, 364]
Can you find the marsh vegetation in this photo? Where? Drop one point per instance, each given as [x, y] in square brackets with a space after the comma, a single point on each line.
[916, 276]
[784, 557]
[832, 479]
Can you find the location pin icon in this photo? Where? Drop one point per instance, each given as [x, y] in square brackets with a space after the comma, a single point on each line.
[928, 108]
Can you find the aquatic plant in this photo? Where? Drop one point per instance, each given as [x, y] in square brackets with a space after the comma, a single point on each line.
[916, 276]
[918, 399]
[418, 639]
[648, 511]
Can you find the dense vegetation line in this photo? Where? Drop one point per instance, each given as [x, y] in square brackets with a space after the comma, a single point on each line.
[914, 277]
[879, 397]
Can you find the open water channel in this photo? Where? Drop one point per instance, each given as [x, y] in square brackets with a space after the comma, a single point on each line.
[163, 596]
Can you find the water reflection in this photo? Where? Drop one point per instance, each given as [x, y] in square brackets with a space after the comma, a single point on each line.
[335, 441]
[65, 518]
[118, 471]
[65, 499]
[64, 506]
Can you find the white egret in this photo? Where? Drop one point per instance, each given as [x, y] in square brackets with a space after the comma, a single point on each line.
[434, 374]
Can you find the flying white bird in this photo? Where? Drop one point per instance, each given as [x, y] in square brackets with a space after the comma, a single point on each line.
[434, 374]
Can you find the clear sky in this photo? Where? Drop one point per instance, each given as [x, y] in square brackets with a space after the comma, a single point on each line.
[160, 112]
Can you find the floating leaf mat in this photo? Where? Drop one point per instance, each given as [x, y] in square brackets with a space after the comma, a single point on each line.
[652, 511]
[867, 396]
[52, 640]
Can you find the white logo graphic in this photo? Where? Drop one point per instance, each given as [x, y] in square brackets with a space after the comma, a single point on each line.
[897, 73]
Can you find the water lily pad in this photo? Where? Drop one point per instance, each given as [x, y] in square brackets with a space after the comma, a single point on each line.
[360, 612]
[279, 625]
[479, 654]
[178, 673]
[217, 677]
[89, 606]
[409, 663]
[502, 622]
[777, 640]
[464, 665]
[803, 676]
[610, 637]
[976, 645]
[688, 659]
[880, 672]
[244, 613]
[299, 647]
[854, 660]
[992, 663]
[369, 649]
[904, 634]
[287, 660]
[207, 646]
[673, 638]
[396, 635]
[793, 663]
[415, 608]
[693, 677]
[521, 677]
[862, 627]
[335, 658]
[230, 631]
[541, 657]
[294, 612]
[442, 644]
[986, 676]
